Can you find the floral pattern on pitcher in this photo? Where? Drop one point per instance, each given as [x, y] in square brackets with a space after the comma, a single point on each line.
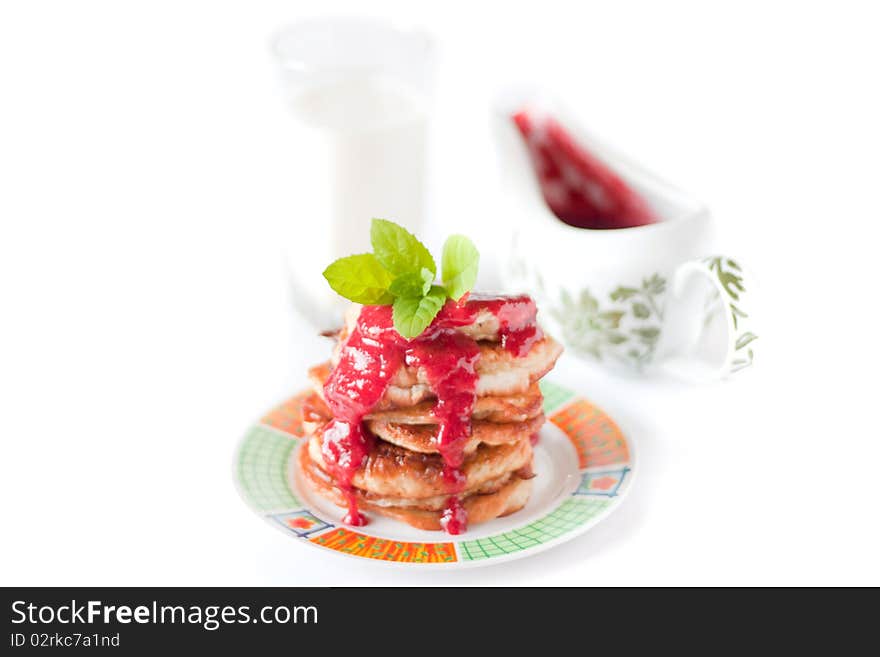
[626, 327]
[729, 274]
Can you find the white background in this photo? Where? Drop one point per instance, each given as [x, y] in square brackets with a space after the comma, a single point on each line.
[144, 161]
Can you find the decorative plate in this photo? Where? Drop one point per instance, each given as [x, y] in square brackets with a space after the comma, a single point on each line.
[583, 462]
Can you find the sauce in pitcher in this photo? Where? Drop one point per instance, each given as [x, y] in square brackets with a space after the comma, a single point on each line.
[580, 189]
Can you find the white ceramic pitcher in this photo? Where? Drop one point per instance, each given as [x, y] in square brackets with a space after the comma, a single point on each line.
[656, 296]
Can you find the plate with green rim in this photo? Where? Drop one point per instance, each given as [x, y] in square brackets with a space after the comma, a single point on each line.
[584, 467]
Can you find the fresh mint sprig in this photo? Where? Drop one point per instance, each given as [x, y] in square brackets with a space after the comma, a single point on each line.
[400, 273]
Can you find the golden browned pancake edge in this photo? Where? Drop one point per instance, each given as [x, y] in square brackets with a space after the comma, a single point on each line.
[393, 471]
[509, 498]
[423, 437]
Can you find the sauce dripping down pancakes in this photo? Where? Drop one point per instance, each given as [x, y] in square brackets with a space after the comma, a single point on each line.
[371, 356]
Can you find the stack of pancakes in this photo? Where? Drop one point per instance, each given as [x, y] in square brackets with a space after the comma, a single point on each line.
[403, 475]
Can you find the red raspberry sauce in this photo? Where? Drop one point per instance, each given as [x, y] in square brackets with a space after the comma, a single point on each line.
[579, 188]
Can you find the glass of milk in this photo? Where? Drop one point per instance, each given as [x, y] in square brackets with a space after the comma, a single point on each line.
[358, 91]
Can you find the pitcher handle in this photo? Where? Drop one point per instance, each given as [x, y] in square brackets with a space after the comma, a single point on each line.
[734, 288]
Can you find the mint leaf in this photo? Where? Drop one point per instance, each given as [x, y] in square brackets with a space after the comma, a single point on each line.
[412, 315]
[360, 278]
[412, 284]
[401, 271]
[398, 250]
[460, 263]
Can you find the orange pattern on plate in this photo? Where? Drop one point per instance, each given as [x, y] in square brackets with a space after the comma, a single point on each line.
[595, 436]
[288, 417]
[360, 545]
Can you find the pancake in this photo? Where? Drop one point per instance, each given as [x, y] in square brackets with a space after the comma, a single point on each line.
[499, 372]
[510, 495]
[492, 408]
[433, 503]
[393, 471]
[423, 438]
